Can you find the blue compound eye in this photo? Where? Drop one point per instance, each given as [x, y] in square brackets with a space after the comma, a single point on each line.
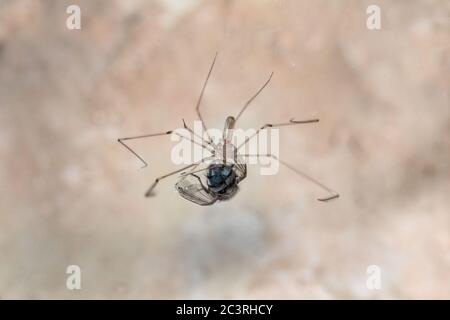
[226, 171]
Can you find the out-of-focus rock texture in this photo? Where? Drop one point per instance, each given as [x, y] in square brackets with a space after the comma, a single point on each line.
[70, 194]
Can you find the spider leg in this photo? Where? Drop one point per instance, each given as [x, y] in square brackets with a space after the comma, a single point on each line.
[276, 125]
[192, 165]
[253, 97]
[121, 141]
[333, 194]
[197, 107]
[196, 135]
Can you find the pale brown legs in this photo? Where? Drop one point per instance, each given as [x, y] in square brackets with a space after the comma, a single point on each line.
[332, 194]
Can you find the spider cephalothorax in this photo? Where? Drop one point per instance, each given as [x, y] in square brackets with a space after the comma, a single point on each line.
[217, 177]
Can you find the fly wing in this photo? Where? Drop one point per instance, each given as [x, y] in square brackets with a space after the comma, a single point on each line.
[192, 188]
[241, 167]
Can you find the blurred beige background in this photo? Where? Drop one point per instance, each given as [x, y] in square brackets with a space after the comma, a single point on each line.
[70, 194]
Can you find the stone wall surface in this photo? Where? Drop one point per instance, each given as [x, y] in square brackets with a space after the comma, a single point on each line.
[70, 194]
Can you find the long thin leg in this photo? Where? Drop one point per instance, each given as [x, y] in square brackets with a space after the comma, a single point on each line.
[252, 98]
[333, 194]
[121, 141]
[197, 143]
[193, 171]
[149, 192]
[197, 108]
[270, 125]
[195, 134]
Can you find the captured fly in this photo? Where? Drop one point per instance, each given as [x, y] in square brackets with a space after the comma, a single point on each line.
[216, 177]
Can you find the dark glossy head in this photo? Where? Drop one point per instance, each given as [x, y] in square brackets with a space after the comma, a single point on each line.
[222, 179]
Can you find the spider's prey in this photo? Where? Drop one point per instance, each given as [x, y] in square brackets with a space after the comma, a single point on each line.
[216, 177]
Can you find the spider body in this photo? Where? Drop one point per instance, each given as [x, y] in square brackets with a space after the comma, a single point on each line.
[216, 178]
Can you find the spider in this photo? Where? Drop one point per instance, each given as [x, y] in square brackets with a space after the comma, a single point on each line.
[216, 177]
